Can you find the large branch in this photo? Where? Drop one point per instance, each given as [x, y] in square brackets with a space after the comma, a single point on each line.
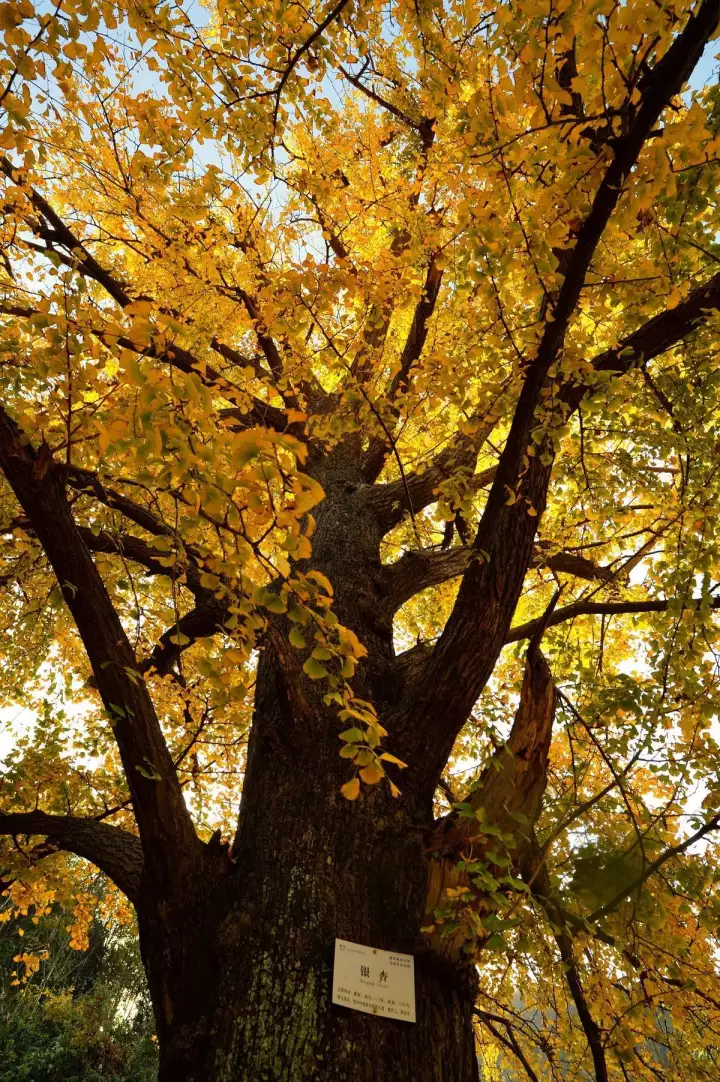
[261, 415]
[207, 618]
[514, 781]
[418, 570]
[111, 849]
[91, 484]
[391, 502]
[468, 648]
[509, 792]
[138, 551]
[57, 232]
[208, 615]
[88, 482]
[413, 662]
[602, 608]
[381, 446]
[417, 335]
[165, 826]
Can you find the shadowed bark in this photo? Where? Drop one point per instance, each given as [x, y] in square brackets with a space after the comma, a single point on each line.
[505, 802]
[114, 851]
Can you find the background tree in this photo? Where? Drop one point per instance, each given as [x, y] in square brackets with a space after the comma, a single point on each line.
[350, 355]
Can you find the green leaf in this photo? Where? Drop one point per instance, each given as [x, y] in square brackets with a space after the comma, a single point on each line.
[299, 615]
[314, 669]
[148, 771]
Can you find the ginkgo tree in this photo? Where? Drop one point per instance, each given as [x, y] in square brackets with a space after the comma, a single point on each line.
[360, 429]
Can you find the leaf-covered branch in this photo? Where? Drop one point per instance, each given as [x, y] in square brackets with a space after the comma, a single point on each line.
[160, 810]
[391, 502]
[653, 867]
[381, 447]
[259, 413]
[492, 1021]
[606, 608]
[83, 480]
[111, 849]
[417, 335]
[467, 650]
[509, 792]
[54, 231]
[592, 1031]
[135, 549]
[417, 570]
[663, 331]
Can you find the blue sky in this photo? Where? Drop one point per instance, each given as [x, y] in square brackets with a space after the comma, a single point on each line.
[707, 70]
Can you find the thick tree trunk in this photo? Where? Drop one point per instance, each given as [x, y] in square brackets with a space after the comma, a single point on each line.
[243, 987]
[242, 979]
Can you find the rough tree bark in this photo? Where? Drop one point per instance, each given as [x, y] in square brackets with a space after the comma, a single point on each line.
[307, 866]
[238, 939]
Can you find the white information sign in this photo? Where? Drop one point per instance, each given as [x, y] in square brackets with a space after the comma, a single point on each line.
[374, 981]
